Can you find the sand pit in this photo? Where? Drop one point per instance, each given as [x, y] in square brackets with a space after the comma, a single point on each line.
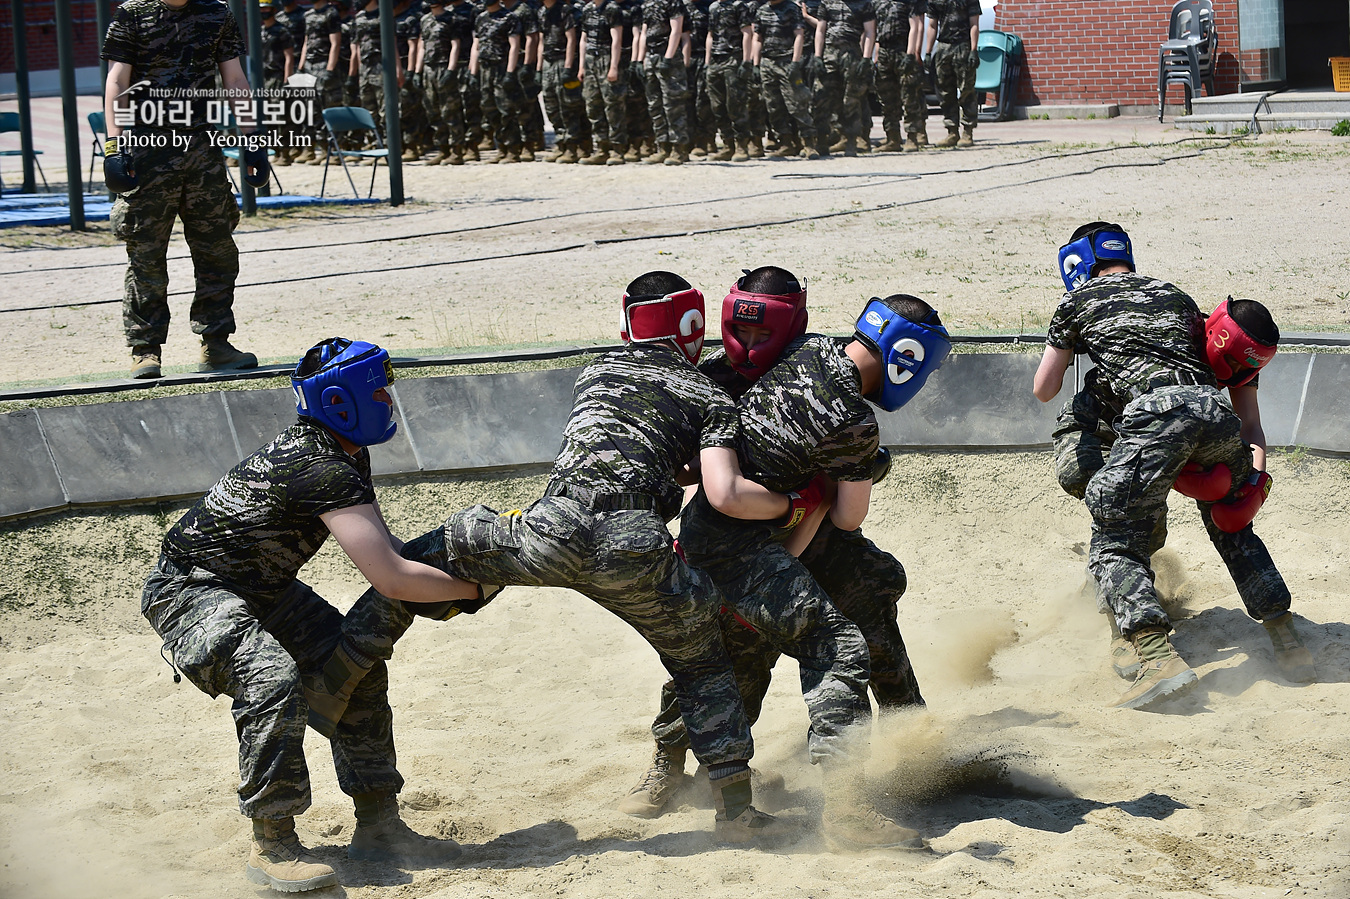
[519, 728]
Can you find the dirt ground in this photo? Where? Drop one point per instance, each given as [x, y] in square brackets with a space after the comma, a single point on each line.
[521, 727]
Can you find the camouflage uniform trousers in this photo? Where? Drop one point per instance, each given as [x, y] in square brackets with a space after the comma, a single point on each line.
[471, 100]
[754, 95]
[190, 185]
[726, 96]
[865, 583]
[566, 106]
[499, 91]
[625, 562]
[531, 115]
[640, 125]
[667, 90]
[954, 78]
[372, 96]
[412, 117]
[254, 648]
[606, 102]
[1159, 433]
[701, 127]
[899, 80]
[845, 87]
[328, 86]
[445, 111]
[787, 99]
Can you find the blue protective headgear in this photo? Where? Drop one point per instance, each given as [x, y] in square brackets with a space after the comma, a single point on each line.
[337, 389]
[1080, 257]
[910, 351]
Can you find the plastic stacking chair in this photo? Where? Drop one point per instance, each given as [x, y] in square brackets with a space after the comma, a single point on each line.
[340, 120]
[99, 126]
[1000, 67]
[9, 122]
[1187, 56]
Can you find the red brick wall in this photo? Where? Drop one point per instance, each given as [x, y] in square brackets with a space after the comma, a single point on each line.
[1105, 52]
[40, 21]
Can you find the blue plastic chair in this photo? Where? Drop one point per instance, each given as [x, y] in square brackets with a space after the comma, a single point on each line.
[99, 125]
[339, 120]
[1000, 67]
[9, 123]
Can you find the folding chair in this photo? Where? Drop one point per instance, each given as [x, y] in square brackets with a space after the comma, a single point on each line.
[98, 125]
[1187, 56]
[340, 119]
[234, 153]
[1000, 66]
[9, 122]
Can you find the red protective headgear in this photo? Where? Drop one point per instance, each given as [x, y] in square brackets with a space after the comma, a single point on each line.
[783, 314]
[675, 316]
[1234, 354]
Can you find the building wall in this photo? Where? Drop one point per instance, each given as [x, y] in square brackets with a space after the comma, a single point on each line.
[40, 22]
[1105, 52]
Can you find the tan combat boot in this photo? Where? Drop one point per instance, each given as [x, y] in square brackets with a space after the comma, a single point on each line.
[659, 156]
[659, 782]
[678, 155]
[598, 157]
[912, 144]
[456, 157]
[756, 147]
[851, 822]
[893, 143]
[967, 137]
[949, 141]
[382, 836]
[1124, 660]
[441, 156]
[724, 154]
[737, 820]
[568, 156]
[1162, 672]
[145, 362]
[616, 158]
[789, 147]
[329, 692]
[279, 860]
[844, 143]
[1293, 658]
[809, 151]
[219, 355]
[864, 143]
[741, 153]
[306, 155]
[921, 138]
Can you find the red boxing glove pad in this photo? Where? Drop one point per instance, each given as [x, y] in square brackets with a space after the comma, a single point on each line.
[802, 503]
[1234, 515]
[1207, 486]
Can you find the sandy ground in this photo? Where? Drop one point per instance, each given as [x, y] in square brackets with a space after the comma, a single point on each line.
[974, 231]
[521, 727]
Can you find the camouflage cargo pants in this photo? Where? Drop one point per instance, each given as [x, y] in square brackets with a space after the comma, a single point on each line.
[565, 105]
[471, 100]
[900, 89]
[726, 97]
[625, 562]
[445, 111]
[701, 127]
[500, 96]
[845, 87]
[372, 96]
[606, 102]
[787, 99]
[865, 583]
[253, 649]
[667, 90]
[328, 92]
[1158, 434]
[955, 79]
[639, 120]
[190, 185]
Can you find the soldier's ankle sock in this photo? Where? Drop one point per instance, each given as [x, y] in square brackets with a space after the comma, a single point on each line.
[717, 772]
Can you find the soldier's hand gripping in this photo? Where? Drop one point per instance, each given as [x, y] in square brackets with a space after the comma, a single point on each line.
[119, 170]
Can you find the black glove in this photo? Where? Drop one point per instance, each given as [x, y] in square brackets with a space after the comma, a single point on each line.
[796, 72]
[865, 72]
[974, 62]
[635, 70]
[257, 170]
[444, 611]
[666, 65]
[815, 67]
[881, 465]
[570, 81]
[747, 70]
[119, 172]
[909, 65]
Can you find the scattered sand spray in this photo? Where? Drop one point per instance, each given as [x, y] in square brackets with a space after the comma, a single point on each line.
[1173, 583]
[967, 641]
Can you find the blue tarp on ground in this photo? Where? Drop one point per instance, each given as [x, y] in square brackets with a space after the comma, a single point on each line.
[53, 209]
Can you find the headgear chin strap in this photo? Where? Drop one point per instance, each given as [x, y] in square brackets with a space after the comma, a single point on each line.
[910, 351]
[1234, 354]
[784, 315]
[675, 316]
[340, 393]
[1078, 258]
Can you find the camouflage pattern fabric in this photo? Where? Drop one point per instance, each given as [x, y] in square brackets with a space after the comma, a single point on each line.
[499, 96]
[787, 99]
[463, 14]
[190, 185]
[276, 40]
[565, 105]
[726, 18]
[438, 36]
[899, 83]
[726, 94]
[412, 116]
[845, 85]
[319, 25]
[777, 25]
[667, 97]
[493, 30]
[445, 110]
[953, 20]
[954, 77]
[844, 21]
[366, 35]
[294, 20]
[606, 101]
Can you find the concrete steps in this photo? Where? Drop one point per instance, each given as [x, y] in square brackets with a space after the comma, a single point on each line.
[1298, 110]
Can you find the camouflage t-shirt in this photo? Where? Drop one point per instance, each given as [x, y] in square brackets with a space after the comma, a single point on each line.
[437, 40]
[777, 25]
[696, 24]
[295, 24]
[639, 414]
[462, 16]
[893, 21]
[718, 367]
[493, 31]
[260, 523]
[953, 19]
[407, 28]
[1140, 332]
[726, 18]
[276, 40]
[596, 22]
[366, 32]
[656, 15]
[173, 48]
[556, 21]
[632, 21]
[319, 24]
[844, 21]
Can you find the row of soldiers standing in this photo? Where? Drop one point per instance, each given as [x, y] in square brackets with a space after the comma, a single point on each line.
[629, 80]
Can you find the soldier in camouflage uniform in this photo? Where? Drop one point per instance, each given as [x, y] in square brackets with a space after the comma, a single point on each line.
[639, 416]
[604, 81]
[225, 598]
[845, 35]
[175, 48]
[527, 76]
[641, 128]
[702, 132]
[279, 58]
[322, 58]
[292, 16]
[562, 94]
[667, 90]
[730, 52]
[780, 35]
[955, 26]
[437, 60]
[463, 14]
[369, 60]
[412, 117]
[494, 59]
[1146, 338]
[899, 74]
[351, 84]
[776, 604]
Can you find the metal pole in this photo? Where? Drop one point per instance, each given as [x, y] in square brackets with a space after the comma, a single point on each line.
[253, 17]
[393, 138]
[25, 104]
[65, 54]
